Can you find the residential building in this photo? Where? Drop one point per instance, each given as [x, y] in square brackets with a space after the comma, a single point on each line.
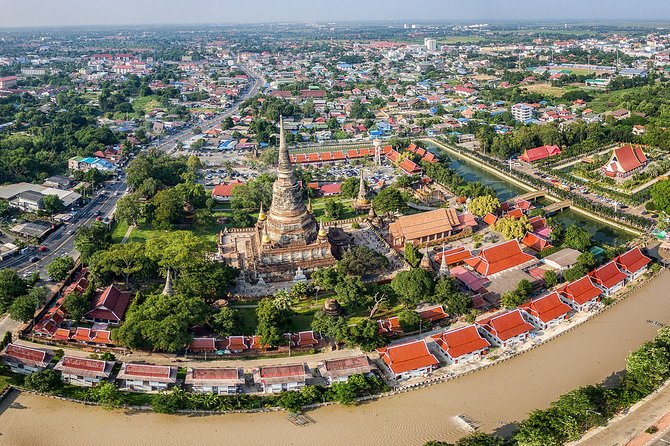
[224, 192]
[7, 82]
[633, 263]
[409, 359]
[561, 260]
[427, 228]
[339, 370]
[430, 44]
[279, 378]
[146, 378]
[505, 329]
[539, 153]
[462, 345]
[83, 371]
[581, 294]
[434, 313]
[219, 381]
[546, 311]
[110, 306]
[499, 258]
[609, 278]
[25, 360]
[522, 112]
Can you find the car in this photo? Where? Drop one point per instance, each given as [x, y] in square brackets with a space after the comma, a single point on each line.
[70, 232]
[42, 248]
[34, 259]
[98, 218]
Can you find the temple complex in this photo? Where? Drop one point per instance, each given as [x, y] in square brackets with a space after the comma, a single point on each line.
[287, 242]
[361, 203]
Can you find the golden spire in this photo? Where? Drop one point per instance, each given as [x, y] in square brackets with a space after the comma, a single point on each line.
[266, 237]
[309, 205]
[261, 214]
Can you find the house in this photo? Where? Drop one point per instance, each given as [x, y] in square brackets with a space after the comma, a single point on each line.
[146, 378]
[110, 306]
[535, 242]
[561, 260]
[462, 345]
[83, 371]
[505, 329]
[219, 381]
[620, 114]
[30, 201]
[609, 278]
[25, 360]
[581, 294]
[453, 256]
[409, 359]
[224, 192]
[539, 153]
[279, 378]
[339, 370]
[498, 258]
[625, 161]
[433, 313]
[390, 326]
[202, 345]
[633, 263]
[236, 344]
[430, 227]
[302, 339]
[328, 190]
[546, 311]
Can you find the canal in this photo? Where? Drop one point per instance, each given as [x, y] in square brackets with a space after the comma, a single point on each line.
[602, 233]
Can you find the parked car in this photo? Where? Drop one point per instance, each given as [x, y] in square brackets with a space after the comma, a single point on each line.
[34, 259]
[42, 248]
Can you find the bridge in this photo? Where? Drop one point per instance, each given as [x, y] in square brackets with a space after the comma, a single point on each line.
[556, 207]
[531, 195]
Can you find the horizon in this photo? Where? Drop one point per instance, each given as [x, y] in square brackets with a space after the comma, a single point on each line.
[78, 13]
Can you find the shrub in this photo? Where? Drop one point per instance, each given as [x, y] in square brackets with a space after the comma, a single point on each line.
[44, 381]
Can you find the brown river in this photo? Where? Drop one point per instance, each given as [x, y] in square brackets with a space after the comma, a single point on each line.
[493, 398]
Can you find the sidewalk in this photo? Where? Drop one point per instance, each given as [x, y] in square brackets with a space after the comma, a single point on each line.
[629, 428]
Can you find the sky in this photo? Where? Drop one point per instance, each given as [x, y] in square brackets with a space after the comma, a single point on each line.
[22, 13]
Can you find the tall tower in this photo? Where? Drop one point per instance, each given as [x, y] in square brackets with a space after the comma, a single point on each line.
[362, 203]
[377, 143]
[288, 221]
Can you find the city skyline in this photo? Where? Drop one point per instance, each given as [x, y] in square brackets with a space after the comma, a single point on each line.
[35, 13]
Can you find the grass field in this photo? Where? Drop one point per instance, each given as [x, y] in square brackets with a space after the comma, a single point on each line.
[319, 209]
[608, 100]
[118, 231]
[546, 90]
[450, 40]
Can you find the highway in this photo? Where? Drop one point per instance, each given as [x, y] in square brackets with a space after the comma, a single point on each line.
[61, 241]
[169, 142]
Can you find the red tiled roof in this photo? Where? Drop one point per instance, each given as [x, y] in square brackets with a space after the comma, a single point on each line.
[62, 334]
[331, 189]
[538, 153]
[499, 258]
[102, 337]
[454, 256]
[202, 345]
[282, 371]
[546, 308]
[403, 358]
[434, 313]
[506, 325]
[236, 343]
[26, 355]
[204, 374]
[461, 341]
[633, 260]
[82, 334]
[409, 166]
[608, 275]
[580, 291]
[629, 157]
[490, 219]
[147, 370]
[91, 365]
[515, 213]
[535, 242]
[111, 305]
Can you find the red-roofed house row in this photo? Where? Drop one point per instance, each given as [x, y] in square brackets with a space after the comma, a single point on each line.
[409, 359]
[505, 329]
[462, 345]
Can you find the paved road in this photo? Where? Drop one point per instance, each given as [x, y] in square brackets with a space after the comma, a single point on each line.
[61, 241]
[168, 143]
[8, 324]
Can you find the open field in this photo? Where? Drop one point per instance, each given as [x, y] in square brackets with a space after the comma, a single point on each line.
[450, 40]
[609, 99]
[546, 89]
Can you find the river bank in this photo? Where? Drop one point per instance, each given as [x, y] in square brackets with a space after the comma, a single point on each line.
[494, 398]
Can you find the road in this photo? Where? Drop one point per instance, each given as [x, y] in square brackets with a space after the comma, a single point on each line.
[61, 241]
[168, 143]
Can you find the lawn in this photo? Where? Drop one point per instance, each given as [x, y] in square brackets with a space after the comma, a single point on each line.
[319, 208]
[301, 321]
[450, 40]
[609, 100]
[546, 89]
[119, 230]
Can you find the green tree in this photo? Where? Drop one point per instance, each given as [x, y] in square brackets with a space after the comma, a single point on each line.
[273, 318]
[360, 261]
[333, 208]
[76, 305]
[648, 367]
[480, 439]
[409, 320]
[46, 381]
[126, 261]
[129, 209]
[513, 228]
[389, 200]
[540, 429]
[448, 294]
[550, 278]
[226, 322]
[178, 250]
[52, 204]
[343, 393]
[91, 239]
[349, 187]
[23, 308]
[576, 238]
[366, 335]
[413, 286]
[11, 287]
[107, 395]
[483, 205]
[168, 208]
[60, 268]
[412, 255]
[291, 401]
[660, 196]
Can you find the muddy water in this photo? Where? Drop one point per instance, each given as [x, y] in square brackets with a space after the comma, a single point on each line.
[493, 397]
